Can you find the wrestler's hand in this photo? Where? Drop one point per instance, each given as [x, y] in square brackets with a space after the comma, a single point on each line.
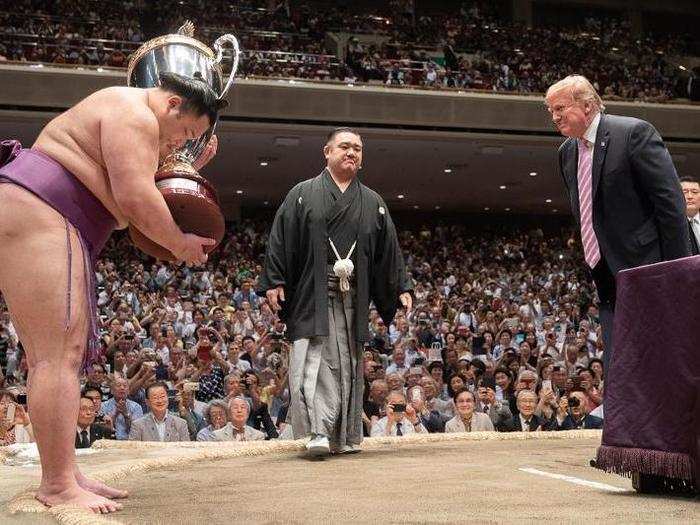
[191, 250]
[406, 301]
[207, 154]
[275, 296]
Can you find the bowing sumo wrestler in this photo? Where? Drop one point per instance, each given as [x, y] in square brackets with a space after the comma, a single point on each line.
[90, 171]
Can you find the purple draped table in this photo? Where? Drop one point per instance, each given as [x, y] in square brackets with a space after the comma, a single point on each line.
[652, 390]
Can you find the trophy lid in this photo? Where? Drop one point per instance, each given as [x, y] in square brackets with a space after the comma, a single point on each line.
[183, 37]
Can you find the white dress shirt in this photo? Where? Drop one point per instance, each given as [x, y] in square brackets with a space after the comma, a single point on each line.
[592, 131]
[379, 428]
[160, 426]
[695, 224]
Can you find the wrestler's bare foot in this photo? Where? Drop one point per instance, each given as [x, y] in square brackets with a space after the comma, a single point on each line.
[75, 495]
[99, 488]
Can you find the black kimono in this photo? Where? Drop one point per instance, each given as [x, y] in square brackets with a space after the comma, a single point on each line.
[326, 324]
[298, 252]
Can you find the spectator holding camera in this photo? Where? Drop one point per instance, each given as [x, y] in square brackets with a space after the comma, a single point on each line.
[212, 367]
[486, 403]
[401, 419]
[432, 420]
[186, 408]
[466, 418]
[15, 426]
[216, 417]
[120, 409]
[158, 424]
[259, 414]
[573, 413]
[237, 428]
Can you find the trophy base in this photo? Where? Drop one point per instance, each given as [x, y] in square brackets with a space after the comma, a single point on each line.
[193, 204]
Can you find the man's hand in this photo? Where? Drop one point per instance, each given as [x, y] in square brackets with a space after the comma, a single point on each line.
[120, 408]
[411, 414]
[207, 154]
[275, 296]
[563, 406]
[107, 422]
[21, 415]
[406, 301]
[191, 250]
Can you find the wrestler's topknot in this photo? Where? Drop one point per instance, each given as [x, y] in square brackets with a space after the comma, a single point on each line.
[197, 94]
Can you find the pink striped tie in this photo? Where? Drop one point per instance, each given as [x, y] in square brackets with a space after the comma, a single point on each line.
[591, 251]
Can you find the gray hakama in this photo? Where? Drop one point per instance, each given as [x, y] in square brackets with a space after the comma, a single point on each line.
[325, 376]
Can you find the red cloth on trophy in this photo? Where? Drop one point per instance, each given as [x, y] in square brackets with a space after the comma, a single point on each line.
[652, 390]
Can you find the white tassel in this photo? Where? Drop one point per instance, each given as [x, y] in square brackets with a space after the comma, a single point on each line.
[343, 268]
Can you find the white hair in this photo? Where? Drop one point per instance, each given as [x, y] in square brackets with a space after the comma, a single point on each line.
[580, 88]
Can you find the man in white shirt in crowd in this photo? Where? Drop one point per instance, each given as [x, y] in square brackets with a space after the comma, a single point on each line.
[237, 429]
[400, 420]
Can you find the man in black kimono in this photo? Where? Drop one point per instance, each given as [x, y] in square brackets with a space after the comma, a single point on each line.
[332, 249]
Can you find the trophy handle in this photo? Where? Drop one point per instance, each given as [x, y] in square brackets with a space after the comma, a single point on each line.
[218, 47]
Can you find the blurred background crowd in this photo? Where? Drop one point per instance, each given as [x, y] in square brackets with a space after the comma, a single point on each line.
[470, 45]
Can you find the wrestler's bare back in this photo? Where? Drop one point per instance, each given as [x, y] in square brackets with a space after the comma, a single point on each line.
[74, 140]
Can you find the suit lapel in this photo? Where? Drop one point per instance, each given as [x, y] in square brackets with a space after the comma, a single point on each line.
[601, 148]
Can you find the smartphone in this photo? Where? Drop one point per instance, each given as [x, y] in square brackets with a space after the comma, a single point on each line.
[417, 393]
[172, 400]
[10, 415]
[547, 383]
[499, 393]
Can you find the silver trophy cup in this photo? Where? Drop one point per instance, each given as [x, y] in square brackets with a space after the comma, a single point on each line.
[192, 200]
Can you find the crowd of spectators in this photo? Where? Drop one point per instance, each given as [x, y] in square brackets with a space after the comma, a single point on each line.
[474, 48]
[504, 335]
[480, 51]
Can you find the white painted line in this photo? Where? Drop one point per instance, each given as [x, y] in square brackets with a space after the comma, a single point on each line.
[577, 481]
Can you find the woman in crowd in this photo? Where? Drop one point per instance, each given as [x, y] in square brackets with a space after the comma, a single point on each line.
[15, 426]
[466, 419]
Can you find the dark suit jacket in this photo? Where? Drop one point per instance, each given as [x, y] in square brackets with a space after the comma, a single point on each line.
[587, 422]
[638, 205]
[514, 425]
[95, 432]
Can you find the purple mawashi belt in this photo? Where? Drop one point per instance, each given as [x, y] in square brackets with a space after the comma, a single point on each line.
[60, 189]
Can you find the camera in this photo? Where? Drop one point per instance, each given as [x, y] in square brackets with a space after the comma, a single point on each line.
[399, 407]
[190, 386]
[574, 402]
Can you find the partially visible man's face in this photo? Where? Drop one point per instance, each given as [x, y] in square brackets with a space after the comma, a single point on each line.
[344, 153]
[691, 191]
[233, 386]
[580, 410]
[570, 117]
[120, 388]
[86, 412]
[526, 403]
